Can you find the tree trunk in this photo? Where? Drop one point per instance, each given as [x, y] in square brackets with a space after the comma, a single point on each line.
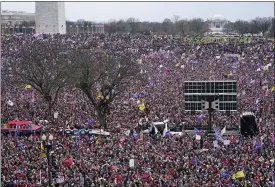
[102, 118]
[50, 106]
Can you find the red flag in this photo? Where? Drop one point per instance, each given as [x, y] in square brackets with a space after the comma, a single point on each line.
[117, 180]
[68, 161]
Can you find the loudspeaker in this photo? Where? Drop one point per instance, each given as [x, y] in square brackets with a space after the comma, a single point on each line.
[248, 125]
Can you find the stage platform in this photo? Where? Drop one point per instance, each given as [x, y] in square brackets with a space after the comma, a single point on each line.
[227, 133]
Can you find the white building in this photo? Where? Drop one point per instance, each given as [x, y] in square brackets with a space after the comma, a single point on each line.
[50, 17]
[12, 18]
[216, 24]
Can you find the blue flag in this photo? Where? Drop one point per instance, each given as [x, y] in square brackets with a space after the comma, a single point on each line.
[200, 117]
[224, 173]
[258, 146]
[135, 95]
[91, 121]
[167, 133]
[151, 84]
[197, 131]
[217, 134]
[136, 135]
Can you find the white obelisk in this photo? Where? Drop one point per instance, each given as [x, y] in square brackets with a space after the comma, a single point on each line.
[50, 17]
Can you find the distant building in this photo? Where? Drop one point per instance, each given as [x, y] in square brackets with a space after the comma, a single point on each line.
[50, 17]
[12, 18]
[216, 24]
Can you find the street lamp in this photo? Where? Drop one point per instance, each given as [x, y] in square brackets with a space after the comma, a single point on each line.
[47, 142]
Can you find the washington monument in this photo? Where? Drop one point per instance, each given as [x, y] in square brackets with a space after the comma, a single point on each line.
[50, 17]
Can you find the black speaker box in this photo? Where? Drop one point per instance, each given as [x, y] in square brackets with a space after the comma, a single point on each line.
[249, 126]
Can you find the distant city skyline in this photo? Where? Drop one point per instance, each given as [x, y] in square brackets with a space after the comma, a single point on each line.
[154, 11]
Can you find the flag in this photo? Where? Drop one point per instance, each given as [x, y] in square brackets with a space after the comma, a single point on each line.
[266, 68]
[272, 88]
[117, 179]
[142, 93]
[77, 141]
[43, 154]
[200, 117]
[197, 131]
[177, 65]
[135, 95]
[140, 61]
[97, 142]
[239, 174]
[223, 173]
[68, 161]
[91, 121]
[141, 134]
[223, 130]
[167, 133]
[195, 161]
[28, 86]
[100, 96]
[218, 134]
[230, 74]
[142, 106]
[151, 84]
[136, 135]
[258, 146]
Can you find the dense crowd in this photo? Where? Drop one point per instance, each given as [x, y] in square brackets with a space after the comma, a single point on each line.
[168, 161]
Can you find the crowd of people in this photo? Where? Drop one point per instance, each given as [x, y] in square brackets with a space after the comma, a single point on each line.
[168, 161]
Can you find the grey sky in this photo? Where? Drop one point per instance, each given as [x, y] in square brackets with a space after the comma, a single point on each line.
[155, 11]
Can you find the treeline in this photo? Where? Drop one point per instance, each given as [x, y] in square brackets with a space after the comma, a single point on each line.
[178, 26]
[174, 26]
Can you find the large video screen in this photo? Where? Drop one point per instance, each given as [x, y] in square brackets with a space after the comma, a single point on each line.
[226, 91]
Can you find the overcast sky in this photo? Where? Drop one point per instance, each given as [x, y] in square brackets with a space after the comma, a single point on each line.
[155, 11]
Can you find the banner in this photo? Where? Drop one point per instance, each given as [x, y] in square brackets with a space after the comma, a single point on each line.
[226, 142]
[132, 163]
[55, 115]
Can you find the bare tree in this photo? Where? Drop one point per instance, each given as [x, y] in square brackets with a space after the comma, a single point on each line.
[271, 29]
[102, 77]
[167, 26]
[262, 25]
[228, 28]
[197, 26]
[242, 27]
[176, 18]
[134, 24]
[42, 66]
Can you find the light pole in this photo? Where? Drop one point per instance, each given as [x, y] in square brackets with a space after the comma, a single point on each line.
[47, 142]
